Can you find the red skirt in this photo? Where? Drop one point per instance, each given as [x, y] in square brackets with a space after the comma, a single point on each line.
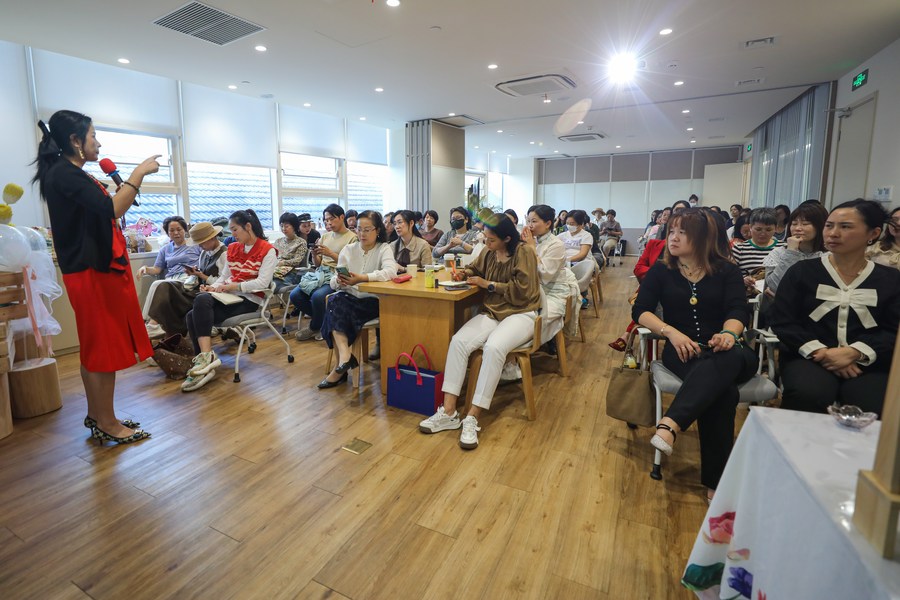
[108, 317]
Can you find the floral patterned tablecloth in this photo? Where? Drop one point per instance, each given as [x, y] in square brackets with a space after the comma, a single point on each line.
[780, 524]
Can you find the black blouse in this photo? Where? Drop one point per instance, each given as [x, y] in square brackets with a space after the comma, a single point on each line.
[815, 309]
[81, 216]
[720, 297]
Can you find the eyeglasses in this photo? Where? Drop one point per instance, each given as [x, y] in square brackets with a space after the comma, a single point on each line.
[329, 219]
[366, 230]
[894, 224]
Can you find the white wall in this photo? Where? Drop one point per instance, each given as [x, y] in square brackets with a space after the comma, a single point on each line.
[884, 78]
[518, 186]
[448, 187]
[396, 192]
[21, 136]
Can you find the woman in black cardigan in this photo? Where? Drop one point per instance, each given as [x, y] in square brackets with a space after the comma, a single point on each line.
[705, 312]
[837, 317]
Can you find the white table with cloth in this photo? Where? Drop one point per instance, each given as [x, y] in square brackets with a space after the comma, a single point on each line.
[780, 525]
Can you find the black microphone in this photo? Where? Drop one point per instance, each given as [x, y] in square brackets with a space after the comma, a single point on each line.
[109, 167]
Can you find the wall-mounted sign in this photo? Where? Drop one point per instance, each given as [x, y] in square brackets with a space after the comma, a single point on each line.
[859, 81]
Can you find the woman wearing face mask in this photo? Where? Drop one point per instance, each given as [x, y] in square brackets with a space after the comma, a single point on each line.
[578, 243]
[507, 269]
[460, 239]
[837, 317]
[410, 250]
[430, 233]
[807, 224]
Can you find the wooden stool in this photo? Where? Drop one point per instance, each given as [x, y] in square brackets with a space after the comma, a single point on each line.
[34, 388]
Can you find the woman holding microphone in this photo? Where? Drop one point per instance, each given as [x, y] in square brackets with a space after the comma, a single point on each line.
[93, 258]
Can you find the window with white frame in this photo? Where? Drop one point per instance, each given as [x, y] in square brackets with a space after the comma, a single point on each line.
[304, 173]
[159, 191]
[366, 186]
[216, 190]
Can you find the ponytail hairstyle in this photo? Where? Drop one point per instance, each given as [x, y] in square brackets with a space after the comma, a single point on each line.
[57, 142]
[242, 217]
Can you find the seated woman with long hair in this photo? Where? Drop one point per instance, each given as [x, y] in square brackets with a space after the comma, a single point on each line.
[410, 248]
[803, 241]
[369, 259]
[247, 274]
[705, 312]
[887, 251]
[507, 269]
[837, 316]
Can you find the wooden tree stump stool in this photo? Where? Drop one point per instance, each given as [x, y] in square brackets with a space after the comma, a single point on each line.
[34, 388]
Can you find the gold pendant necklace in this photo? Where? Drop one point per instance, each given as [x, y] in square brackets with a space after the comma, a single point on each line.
[693, 299]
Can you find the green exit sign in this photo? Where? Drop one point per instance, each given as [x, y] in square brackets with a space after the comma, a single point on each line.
[860, 80]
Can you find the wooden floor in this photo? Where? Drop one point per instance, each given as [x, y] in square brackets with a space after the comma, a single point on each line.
[244, 491]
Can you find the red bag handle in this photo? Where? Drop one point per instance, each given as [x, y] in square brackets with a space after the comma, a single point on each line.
[425, 352]
[412, 363]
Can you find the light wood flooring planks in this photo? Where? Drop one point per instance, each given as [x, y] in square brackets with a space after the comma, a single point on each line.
[244, 492]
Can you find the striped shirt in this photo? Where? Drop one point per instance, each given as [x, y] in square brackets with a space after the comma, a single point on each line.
[749, 257]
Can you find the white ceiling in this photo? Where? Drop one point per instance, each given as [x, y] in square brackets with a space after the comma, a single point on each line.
[431, 58]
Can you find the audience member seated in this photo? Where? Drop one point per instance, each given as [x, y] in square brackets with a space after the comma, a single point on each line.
[461, 237]
[750, 254]
[514, 217]
[652, 251]
[783, 222]
[430, 233]
[350, 219]
[388, 220]
[561, 221]
[734, 212]
[740, 232]
[650, 230]
[599, 214]
[173, 299]
[507, 269]
[837, 317]
[704, 312]
[291, 252]
[410, 248]
[309, 295]
[887, 251]
[170, 264]
[578, 243]
[368, 259]
[308, 232]
[677, 207]
[610, 234]
[247, 274]
[807, 225]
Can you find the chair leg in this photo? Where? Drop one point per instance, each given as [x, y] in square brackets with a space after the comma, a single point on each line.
[561, 353]
[597, 296]
[656, 473]
[474, 370]
[237, 356]
[328, 360]
[581, 331]
[355, 375]
[364, 345]
[527, 385]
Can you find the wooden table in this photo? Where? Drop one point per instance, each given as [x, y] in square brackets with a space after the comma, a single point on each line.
[410, 314]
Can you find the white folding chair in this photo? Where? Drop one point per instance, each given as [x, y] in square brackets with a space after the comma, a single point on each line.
[245, 323]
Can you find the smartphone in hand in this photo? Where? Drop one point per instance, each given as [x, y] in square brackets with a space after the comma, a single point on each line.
[343, 271]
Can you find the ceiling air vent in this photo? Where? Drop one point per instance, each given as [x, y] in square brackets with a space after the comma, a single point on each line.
[537, 85]
[208, 24]
[760, 43]
[748, 82]
[583, 137]
[460, 121]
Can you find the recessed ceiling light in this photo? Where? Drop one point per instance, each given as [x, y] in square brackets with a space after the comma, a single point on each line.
[665, 31]
[693, 141]
[508, 155]
[379, 89]
[499, 131]
[492, 66]
[451, 114]
[581, 122]
[477, 147]
[622, 67]
[232, 87]
[679, 83]
[532, 143]
[493, 152]
[685, 111]
[546, 99]
[556, 152]
[124, 61]
[618, 146]
[362, 118]
[690, 128]
[306, 105]
[393, 3]
[260, 48]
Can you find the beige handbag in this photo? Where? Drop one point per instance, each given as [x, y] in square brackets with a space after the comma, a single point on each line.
[630, 397]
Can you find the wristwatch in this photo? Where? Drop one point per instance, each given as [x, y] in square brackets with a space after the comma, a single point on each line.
[491, 287]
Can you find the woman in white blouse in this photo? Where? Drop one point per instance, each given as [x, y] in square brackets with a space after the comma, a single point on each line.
[369, 259]
[578, 243]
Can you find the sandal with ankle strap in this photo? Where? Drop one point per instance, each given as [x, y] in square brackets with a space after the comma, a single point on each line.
[619, 345]
[661, 444]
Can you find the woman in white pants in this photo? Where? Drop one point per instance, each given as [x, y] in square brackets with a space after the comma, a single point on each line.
[507, 269]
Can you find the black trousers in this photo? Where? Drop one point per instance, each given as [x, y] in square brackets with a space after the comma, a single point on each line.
[810, 387]
[709, 395]
[207, 311]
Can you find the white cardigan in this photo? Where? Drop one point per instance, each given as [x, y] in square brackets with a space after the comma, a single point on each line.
[378, 263]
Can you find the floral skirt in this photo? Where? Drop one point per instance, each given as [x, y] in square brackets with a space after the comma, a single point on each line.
[347, 314]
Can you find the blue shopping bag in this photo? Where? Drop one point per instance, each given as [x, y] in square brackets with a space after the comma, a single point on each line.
[412, 388]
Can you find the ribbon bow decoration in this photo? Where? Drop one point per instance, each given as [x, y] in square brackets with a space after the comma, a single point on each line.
[858, 300]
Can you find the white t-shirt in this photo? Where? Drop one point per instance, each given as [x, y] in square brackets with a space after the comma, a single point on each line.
[573, 243]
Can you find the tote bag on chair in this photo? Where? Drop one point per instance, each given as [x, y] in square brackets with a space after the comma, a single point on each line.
[412, 388]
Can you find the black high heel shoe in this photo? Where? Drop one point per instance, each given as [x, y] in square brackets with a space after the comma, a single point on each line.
[102, 436]
[347, 366]
[91, 423]
[325, 384]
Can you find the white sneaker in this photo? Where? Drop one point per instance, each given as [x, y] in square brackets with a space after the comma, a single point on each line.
[511, 372]
[440, 421]
[204, 363]
[468, 439]
[154, 330]
[195, 382]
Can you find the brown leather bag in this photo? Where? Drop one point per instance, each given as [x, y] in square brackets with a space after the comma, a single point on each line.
[630, 397]
[174, 356]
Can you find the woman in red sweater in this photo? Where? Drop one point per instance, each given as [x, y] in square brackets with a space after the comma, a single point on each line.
[649, 256]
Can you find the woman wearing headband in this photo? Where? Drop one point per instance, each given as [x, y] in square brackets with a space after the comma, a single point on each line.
[92, 256]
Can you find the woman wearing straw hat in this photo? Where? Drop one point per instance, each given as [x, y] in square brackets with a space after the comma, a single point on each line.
[173, 299]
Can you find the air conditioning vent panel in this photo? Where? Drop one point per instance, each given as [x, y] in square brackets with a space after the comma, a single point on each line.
[460, 121]
[208, 24]
[583, 137]
[537, 85]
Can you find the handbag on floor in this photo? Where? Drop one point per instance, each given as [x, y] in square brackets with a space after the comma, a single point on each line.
[413, 388]
[174, 356]
[630, 397]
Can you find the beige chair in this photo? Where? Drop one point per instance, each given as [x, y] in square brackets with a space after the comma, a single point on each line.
[596, 293]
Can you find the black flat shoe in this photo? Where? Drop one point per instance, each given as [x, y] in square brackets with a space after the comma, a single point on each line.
[91, 423]
[325, 384]
[350, 364]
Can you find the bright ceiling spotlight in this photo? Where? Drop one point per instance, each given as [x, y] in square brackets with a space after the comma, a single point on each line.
[678, 83]
[622, 68]
[393, 3]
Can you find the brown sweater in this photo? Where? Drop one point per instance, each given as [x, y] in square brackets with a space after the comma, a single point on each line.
[516, 282]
